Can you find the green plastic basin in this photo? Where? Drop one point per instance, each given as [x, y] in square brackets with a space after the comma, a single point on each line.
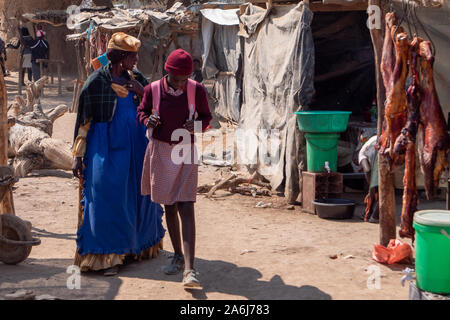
[432, 230]
[322, 121]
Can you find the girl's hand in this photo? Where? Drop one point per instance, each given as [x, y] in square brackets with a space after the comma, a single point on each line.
[153, 121]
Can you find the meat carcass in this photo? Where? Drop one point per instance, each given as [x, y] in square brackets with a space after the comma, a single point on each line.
[409, 132]
[388, 57]
[396, 108]
[407, 142]
[433, 128]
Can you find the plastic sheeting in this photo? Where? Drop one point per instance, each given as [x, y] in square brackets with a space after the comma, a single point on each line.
[221, 17]
[222, 61]
[278, 80]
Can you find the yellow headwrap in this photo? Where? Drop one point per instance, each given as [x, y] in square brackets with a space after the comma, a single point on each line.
[124, 42]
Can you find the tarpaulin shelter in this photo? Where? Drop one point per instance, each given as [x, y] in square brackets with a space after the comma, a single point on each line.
[300, 56]
[278, 58]
[159, 32]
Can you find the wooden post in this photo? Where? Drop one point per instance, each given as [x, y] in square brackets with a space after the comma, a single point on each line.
[7, 205]
[58, 66]
[388, 225]
[41, 66]
[51, 69]
[19, 89]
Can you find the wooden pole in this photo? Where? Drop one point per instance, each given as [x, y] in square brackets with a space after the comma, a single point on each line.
[21, 76]
[58, 66]
[388, 223]
[41, 66]
[7, 205]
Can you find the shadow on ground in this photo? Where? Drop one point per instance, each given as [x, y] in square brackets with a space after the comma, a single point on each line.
[49, 276]
[42, 233]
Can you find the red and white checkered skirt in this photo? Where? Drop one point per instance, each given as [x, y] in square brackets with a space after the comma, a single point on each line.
[166, 181]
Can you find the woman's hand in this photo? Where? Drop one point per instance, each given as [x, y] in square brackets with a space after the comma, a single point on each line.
[135, 86]
[77, 167]
[153, 121]
[189, 126]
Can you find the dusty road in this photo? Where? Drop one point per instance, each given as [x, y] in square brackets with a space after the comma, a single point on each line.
[243, 252]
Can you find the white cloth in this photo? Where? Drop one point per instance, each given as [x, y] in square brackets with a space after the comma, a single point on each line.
[368, 150]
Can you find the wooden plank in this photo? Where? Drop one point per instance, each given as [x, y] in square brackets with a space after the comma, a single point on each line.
[221, 6]
[317, 6]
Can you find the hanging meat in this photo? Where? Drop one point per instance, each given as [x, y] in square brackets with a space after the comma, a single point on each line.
[406, 142]
[433, 128]
[388, 57]
[387, 68]
[395, 110]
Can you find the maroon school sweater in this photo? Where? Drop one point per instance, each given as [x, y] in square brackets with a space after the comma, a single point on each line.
[173, 111]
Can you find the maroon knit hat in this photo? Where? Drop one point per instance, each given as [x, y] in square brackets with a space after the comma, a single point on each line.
[179, 63]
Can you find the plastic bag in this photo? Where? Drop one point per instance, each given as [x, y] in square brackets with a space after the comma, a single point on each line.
[396, 252]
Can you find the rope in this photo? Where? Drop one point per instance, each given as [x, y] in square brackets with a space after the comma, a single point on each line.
[401, 20]
[433, 47]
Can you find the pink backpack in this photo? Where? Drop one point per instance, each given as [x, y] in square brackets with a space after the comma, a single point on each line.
[156, 98]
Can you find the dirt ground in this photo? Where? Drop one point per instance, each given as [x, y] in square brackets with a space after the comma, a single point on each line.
[243, 252]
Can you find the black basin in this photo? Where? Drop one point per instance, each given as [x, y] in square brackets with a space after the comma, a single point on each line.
[334, 208]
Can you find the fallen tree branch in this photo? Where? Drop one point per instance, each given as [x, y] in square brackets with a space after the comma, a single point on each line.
[221, 185]
[233, 182]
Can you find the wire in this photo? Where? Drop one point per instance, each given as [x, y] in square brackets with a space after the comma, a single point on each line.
[415, 20]
[408, 16]
[433, 47]
[401, 20]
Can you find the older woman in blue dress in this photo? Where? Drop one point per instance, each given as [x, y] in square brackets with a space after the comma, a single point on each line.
[110, 143]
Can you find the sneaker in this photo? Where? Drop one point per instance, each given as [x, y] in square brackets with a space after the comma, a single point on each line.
[175, 266]
[190, 280]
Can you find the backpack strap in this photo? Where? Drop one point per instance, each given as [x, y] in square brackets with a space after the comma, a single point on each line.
[156, 96]
[191, 89]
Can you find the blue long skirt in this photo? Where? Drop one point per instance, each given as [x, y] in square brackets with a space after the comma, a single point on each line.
[117, 218]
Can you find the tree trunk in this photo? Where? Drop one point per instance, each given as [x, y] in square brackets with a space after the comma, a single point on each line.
[30, 141]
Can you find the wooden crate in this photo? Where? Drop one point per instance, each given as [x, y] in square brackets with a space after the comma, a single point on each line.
[320, 185]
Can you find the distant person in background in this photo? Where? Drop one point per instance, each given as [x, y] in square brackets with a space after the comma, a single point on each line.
[368, 160]
[39, 50]
[27, 42]
[3, 56]
[26, 62]
[197, 74]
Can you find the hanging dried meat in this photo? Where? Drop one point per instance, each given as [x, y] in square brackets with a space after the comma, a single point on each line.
[433, 128]
[388, 57]
[396, 110]
[406, 142]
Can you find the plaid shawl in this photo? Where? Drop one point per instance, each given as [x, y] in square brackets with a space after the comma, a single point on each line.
[98, 100]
